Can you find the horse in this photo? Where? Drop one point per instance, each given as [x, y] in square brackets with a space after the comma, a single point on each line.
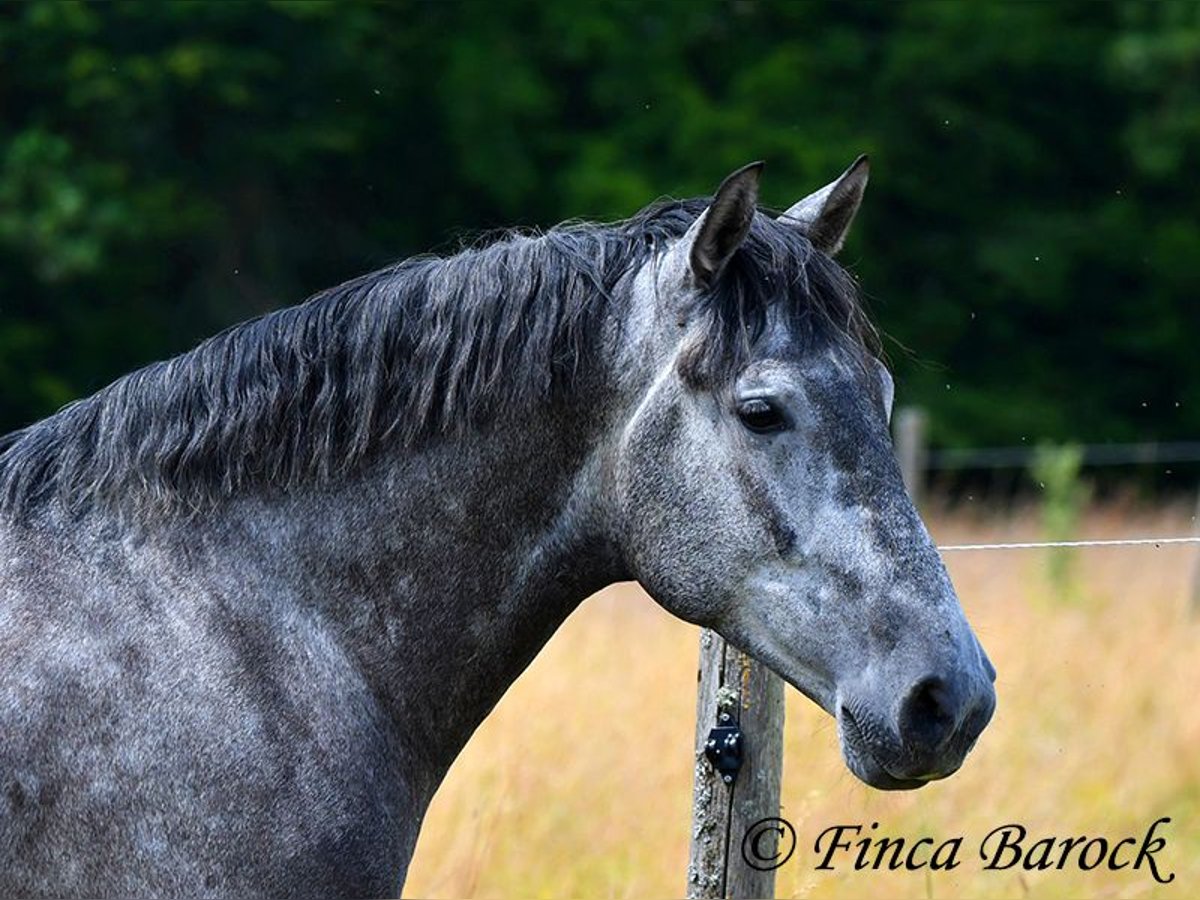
[255, 599]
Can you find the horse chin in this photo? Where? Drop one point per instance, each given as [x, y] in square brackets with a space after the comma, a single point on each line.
[864, 764]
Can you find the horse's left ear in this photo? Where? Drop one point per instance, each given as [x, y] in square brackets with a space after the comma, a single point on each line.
[715, 236]
[827, 214]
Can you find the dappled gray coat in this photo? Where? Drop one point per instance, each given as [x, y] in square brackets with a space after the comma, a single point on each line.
[254, 600]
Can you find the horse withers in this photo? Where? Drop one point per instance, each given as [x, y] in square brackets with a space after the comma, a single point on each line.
[254, 600]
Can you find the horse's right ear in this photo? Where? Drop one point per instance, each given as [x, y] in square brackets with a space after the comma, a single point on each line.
[715, 236]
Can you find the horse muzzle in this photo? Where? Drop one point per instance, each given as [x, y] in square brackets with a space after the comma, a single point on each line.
[928, 735]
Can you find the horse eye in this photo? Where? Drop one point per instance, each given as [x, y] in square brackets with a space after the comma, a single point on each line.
[761, 416]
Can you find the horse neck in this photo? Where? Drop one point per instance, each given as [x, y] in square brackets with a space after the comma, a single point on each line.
[441, 571]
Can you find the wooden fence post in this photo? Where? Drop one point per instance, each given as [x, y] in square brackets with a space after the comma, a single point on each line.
[909, 429]
[752, 696]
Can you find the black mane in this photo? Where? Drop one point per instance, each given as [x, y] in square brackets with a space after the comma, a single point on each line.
[418, 348]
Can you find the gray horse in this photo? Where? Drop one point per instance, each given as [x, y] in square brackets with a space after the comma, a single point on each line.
[254, 600]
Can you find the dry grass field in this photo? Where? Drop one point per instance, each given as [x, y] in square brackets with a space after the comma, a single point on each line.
[578, 785]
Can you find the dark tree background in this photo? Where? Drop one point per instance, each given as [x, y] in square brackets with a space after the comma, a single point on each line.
[1030, 242]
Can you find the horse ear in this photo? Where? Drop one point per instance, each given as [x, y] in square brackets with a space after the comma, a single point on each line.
[827, 214]
[720, 230]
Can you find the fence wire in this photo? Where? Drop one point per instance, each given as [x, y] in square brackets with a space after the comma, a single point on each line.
[1038, 545]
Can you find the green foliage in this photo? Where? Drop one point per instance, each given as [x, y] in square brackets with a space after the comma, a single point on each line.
[1029, 241]
[1056, 470]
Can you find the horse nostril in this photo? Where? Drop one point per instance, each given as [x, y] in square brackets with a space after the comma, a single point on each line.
[929, 715]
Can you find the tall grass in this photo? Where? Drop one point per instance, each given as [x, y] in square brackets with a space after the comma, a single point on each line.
[579, 784]
[1056, 469]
